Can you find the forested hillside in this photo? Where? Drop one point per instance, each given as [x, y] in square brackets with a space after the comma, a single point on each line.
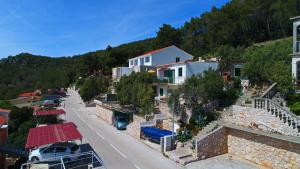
[225, 32]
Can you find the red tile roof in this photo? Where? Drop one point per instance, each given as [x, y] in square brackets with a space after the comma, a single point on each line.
[54, 133]
[154, 51]
[29, 94]
[49, 112]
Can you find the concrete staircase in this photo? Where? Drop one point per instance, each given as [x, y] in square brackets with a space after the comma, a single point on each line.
[182, 155]
[282, 114]
[207, 129]
[187, 154]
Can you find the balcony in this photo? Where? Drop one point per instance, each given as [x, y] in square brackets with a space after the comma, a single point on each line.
[165, 80]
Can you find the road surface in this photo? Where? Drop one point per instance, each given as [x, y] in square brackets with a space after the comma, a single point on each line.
[117, 149]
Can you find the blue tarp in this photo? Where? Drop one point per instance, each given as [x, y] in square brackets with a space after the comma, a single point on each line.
[155, 133]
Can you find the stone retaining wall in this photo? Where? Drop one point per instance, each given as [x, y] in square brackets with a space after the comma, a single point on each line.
[213, 144]
[134, 128]
[105, 114]
[167, 125]
[164, 109]
[244, 116]
[265, 151]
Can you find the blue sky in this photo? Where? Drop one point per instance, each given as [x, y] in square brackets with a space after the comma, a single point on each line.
[68, 27]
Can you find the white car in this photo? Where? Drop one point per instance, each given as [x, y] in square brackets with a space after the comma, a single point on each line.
[54, 152]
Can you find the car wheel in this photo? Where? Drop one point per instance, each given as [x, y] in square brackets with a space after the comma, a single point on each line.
[35, 159]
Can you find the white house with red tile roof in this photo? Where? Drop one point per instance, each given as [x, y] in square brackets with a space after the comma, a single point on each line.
[150, 60]
[159, 57]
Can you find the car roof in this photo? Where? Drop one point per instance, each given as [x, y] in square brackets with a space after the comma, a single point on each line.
[64, 144]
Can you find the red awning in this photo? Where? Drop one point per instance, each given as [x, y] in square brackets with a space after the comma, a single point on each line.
[4, 111]
[3, 120]
[54, 133]
[49, 112]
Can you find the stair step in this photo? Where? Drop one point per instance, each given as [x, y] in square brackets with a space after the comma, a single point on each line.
[186, 156]
[180, 153]
[187, 160]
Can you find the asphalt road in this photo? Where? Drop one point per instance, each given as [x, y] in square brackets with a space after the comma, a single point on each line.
[117, 149]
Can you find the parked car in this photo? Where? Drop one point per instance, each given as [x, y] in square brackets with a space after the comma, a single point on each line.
[50, 103]
[54, 152]
[121, 123]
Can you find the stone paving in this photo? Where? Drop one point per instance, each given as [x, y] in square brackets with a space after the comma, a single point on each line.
[220, 162]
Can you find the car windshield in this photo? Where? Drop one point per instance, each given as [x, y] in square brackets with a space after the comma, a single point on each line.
[74, 147]
[122, 119]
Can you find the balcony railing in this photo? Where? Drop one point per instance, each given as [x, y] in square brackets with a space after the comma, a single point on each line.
[165, 80]
[74, 161]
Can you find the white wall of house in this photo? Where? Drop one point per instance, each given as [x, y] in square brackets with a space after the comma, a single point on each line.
[145, 60]
[296, 31]
[294, 66]
[164, 56]
[179, 79]
[120, 71]
[194, 68]
[169, 55]
[187, 70]
[296, 47]
[165, 90]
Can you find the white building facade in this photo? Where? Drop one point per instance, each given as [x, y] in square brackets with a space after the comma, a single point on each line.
[173, 75]
[296, 50]
[150, 60]
[162, 56]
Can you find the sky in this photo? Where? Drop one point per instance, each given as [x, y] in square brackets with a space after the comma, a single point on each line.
[69, 27]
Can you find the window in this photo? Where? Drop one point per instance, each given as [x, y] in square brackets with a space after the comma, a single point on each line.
[297, 39]
[180, 72]
[161, 91]
[141, 61]
[135, 62]
[237, 72]
[298, 70]
[60, 149]
[49, 150]
[177, 59]
[131, 62]
[147, 59]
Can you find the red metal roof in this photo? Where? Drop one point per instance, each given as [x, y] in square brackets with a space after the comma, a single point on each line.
[4, 110]
[54, 133]
[2, 120]
[49, 112]
[36, 108]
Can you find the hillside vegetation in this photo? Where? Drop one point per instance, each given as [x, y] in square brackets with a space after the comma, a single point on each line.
[225, 32]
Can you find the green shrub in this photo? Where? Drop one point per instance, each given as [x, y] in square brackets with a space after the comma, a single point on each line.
[292, 99]
[184, 135]
[295, 108]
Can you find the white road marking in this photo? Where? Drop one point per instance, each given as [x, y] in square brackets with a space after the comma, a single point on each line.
[118, 151]
[136, 166]
[81, 119]
[100, 135]
[92, 128]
